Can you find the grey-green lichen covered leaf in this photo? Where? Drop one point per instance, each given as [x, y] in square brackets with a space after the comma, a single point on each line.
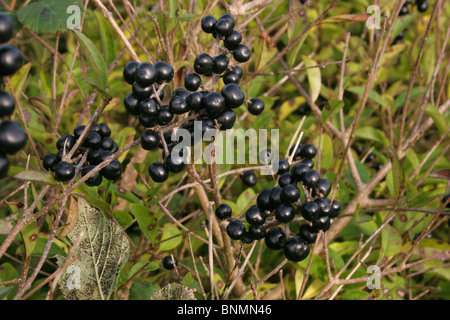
[103, 250]
[174, 291]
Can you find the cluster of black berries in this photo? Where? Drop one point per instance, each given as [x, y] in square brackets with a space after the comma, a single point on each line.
[12, 137]
[210, 109]
[281, 204]
[422, 6]
[97, 146]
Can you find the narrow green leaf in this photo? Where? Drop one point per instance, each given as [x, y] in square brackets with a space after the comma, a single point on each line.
[18, 80]
[314, 77]
[36, 176]
[170, 238]
[94, 58]
[398, 174]
[439, 121]
[391, 241]
[146, 221]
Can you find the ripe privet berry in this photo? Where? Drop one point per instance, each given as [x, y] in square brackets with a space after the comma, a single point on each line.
[236, 230]
[149, 139]
[129, 71]
[323, 188]
[263, 199]
[232, 40]
[141, 92]
[112, 171]
[131, 103]
[149, 108]
[224, 26]
[50, 161]
[175, 164]
[257, 232]
[164, 116]
[104, 130]
[169, 262]
[299, 170]
[7, 104]
[4, 165]
[303, 109]
[308, 151]
[230, 77]
[67, 140]
[241, 53]
[324, 206]
[290, 194]
[247, 238]
[422, 5]
[195, 101]
[93, 141]
[297, 155]
[95, 180]
[64, 171]
[11, 60]
[321, 223]
[94, 157]
[233, 95]
[203, 64]
[275, 238]
[12, 137]
[283, 166]
[164, 72]
[404, 10]
[226, 119]
[310, 210]
[275, 197]
[214, 103]
[255, 216]
[296, 249]
[223, 212]
[285, 179]
[309, 163]
[285, 213]
[145, 74]
[192, 81]
[311, 179]
[249, 178]
[178, 105]
[307, 233]
[181, 92]
[335, 209]
[6, 29]
[158, 172]
[147, 121]
[208, 23]
[220, 64]
[255, 106]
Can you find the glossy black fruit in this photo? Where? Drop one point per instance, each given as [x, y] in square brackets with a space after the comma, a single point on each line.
[230, 77]
[283, 166]
[178, 105]
[192, 81]
[12, 137]
[241, 53]
[324, 206]
[226, 119]
[93, 141]
[285, 179]
[180, 92]
[296, 249]
[236, 230]
[11, 60]
[263, 199]
[208, 23]
[64, 171]
[145, 74]
[195, 101]
[246, 238]
[285, 213]
[147, 121]
[214, 103]
[323, 188]
[131, 103]
[422, 5]
[158, 172]
[290, 194]
[112, 171]
[94, 157]
[141, 92]
[307, 233]
[7, 103]
[95, 180]
[249, 178]
[203, 64]
[309, 163]
[275, 197]
[303, 109]
[220, 64]
[67, 140]
[129, 71]
[149, 140]
[4, 166]
[223, 212]
[298, 171]
[311, 179]
[335, 209]
[224, 26]
[233, 95]
[404, 10]
[164, 116]
[257, 232]
[310, 210]
[169, 262]
[164, 72]
[255, 216]
[149, 108]
[297, 155]
[6, 29]
[308, 151]
[104, 130]
[50, 161]
[256, 106]
[275, 238]
[321, 223]
[232, 40]
[78, 131]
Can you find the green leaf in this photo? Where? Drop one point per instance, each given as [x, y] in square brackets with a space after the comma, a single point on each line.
[245, 198]
[170, 238]
[391, 241]
[264, 52]
[95, 60]
[142, 289]
[335, 106]
[30, 236]
[103, 251]
[106, 35]
[398, 174]
[372, 134]
[373, 95]
[314, 77]
[290, 106]
[48, 16]
[327, 151]
[439, 121]
[36, 176]
[146, 221]
[18, 79]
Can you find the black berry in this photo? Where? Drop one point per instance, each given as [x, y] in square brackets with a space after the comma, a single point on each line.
[7, 103]
[255, 216]
[192, 81]
[236, 230]
[12, 137]
[6, 29]
[50, 161]
[285, 213]
[129, 72]
[307, 233]
[296, 249]
[223, 212]
[11, 60]
[241, 53]
[169, 262]
[255, 106]
[203, 64]
[94, 180]
[158, 172]
[275, 238]
[164, 72]
[64, 171]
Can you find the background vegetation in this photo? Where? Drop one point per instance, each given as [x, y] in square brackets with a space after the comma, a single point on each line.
[379, 117]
